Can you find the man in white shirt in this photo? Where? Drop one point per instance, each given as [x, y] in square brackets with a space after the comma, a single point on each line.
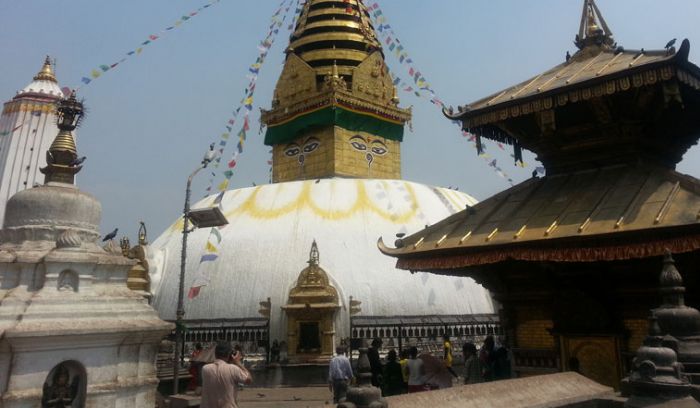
[220, 379]
[339, 375]
[416, 372]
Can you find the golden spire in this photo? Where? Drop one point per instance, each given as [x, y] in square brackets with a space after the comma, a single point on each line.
[334, 111]
[62, 156]
[593, 30]
[46, 73]
[328, 32]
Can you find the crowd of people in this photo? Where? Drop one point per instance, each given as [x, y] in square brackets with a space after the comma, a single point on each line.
[414, 372]
[405, 373]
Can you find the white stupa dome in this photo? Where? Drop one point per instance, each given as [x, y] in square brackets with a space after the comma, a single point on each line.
[266, 245]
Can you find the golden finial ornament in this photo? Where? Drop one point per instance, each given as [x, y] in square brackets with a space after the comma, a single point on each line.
[62, 156]
[594, 31]
[46, 73]
[593, 28]
[143, 235]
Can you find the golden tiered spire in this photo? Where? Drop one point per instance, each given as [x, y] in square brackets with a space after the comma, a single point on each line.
[333, 31]
[334, 110]
[46, 73]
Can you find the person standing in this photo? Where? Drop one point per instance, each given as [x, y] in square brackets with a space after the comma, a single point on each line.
[416, 371]
[339, 374]
[375, 363]
[447, 357]
[275, 352]
[486, 358]
[472, 365]
[404, 368]
[392, 376]
[220, 379]
[195, 368]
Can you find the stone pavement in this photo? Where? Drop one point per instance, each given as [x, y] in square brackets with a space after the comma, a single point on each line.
[296, 397]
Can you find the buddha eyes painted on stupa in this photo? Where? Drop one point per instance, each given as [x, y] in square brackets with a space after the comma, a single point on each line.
[379, 148]
[376, 147]
[358, 143]
[292, 150]
[310, 145]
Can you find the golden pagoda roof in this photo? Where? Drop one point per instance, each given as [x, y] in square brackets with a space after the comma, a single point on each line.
[46, 73]
[599, 68]
[331, 32]
[619, 212]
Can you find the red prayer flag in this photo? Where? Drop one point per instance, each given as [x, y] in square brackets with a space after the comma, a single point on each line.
[193, 293]
[153, 37]
[231, 164]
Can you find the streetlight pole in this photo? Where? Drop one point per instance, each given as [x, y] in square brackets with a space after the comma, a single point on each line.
[181, 288]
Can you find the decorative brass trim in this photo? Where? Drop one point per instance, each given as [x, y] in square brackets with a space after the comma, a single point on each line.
[465, 237]
[491, 235]
[419, 243]
[667, 204]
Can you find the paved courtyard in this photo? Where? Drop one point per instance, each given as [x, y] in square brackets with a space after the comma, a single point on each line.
[296, 397]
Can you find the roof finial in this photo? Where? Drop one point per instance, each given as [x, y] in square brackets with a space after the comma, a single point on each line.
[62, 156]
[46, 73]
[593, 30]
[671, 281]
[313, 255]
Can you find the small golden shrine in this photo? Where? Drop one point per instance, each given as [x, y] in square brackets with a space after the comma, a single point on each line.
[311, 310]
[138, 280]
[335, 111]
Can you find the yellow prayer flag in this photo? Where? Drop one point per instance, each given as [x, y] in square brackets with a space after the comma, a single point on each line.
[211, 248]
[95, 73]
[138, 50]
[223, 186]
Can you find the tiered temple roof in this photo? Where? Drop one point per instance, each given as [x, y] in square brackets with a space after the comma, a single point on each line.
[609, 125]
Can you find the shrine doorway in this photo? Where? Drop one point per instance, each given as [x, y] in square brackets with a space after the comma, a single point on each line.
[309, 337]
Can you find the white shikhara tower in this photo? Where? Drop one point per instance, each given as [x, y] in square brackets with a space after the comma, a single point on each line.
[27, 128]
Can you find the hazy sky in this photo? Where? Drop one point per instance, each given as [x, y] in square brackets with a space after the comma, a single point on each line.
[151, 119]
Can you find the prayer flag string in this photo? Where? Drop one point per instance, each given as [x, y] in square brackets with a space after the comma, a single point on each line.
[420, 86]
[100, 70]
[213, 244]
[246, 104]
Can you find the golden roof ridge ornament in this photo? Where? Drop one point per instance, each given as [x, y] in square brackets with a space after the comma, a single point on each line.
[62, 156]
[314, 256]
[46, 73]
[594, 31]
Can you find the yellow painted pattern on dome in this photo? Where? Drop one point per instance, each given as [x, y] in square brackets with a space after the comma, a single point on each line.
[305, 201]
[452, 197]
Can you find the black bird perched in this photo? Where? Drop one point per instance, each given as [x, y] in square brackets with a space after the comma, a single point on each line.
[111, 235]
[670, 44]
[568, 56]
[78, 161]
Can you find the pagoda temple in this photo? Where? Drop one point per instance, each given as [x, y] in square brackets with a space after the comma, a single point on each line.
[335, 127]
[572, 257]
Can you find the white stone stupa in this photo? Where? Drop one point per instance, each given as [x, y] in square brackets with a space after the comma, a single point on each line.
[27, 128]
[71, 332]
